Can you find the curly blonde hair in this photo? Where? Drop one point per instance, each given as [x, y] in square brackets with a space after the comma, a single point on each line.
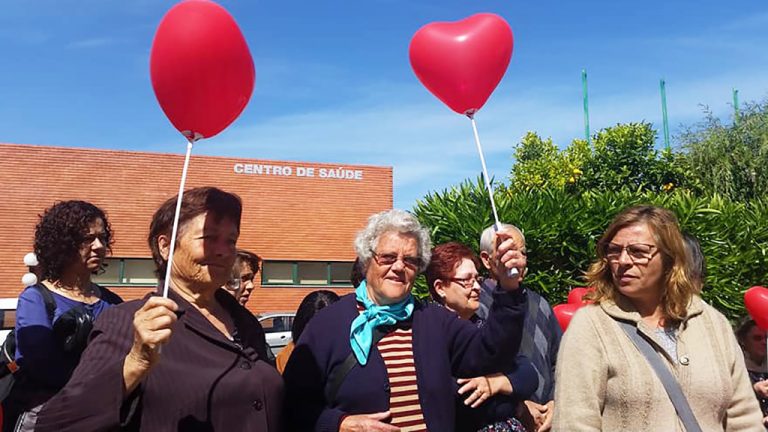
[678, 287]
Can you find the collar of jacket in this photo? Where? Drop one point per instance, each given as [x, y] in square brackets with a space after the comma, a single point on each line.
[623, 309]
[194, 320]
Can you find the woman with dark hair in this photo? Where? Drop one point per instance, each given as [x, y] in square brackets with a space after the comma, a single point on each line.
[211, 374]
[311, 304]
[491, 402]
[698, 265]
[244, 270]
[752, 341]
[71, 241]
[646, 302]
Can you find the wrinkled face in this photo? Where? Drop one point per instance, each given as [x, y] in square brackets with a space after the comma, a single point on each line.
[755, 343]
[93, 249]
[206, 252]
[391, 272]
[461, 291]
[636, 263]
[246, 282]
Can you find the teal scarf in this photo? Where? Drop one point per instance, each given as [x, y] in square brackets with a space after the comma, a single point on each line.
[361, 332]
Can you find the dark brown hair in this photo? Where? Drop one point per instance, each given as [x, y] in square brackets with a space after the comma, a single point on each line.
[61, 232]
[220, 204]
[253, 260]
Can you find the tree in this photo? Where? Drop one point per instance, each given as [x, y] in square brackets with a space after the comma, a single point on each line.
[622, 156]
[731, 160]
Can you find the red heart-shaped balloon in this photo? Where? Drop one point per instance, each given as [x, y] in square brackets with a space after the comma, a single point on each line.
[756, 301]
[564, 313]
[462, 62]
[576, 295]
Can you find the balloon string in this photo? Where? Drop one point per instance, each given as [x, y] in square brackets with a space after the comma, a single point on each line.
[497, 225]
[167, 280]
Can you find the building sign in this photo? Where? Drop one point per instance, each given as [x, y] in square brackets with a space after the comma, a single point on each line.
[298, 171]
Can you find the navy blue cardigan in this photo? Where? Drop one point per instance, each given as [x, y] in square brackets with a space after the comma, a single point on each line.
[444, 346]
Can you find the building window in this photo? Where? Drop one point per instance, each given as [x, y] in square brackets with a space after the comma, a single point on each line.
[128, 272]
[306, 273]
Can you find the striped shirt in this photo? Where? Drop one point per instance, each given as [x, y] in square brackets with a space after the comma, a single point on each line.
[396, 349]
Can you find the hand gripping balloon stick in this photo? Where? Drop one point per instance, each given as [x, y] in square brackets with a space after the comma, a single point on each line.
[513, 272]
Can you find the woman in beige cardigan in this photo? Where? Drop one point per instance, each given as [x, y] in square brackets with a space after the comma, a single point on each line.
[604, 382]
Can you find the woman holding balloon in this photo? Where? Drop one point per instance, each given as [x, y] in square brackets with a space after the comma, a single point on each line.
[212, 372]
[649, 354]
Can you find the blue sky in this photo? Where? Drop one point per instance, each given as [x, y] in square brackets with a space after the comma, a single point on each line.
[334, 84]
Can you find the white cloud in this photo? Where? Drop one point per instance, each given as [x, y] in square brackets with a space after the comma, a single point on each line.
[96, 42]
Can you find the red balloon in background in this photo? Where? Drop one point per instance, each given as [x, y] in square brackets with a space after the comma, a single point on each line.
[201, 68]
[575, 296]
[462, 62]
[564, 313]
[756, 301]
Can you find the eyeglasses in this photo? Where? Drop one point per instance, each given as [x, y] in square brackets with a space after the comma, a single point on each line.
[389, 259]
[90, 238]
[639, 253]
[468, 282]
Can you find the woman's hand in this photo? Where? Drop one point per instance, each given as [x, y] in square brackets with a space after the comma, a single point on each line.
[152, 328]
[761, 388]
[540, 415]
[479, 387]
[508, 255]
[367, 422]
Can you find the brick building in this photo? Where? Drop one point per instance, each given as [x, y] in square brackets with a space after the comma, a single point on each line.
[301, 218]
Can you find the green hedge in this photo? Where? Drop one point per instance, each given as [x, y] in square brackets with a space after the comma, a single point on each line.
[561, 230]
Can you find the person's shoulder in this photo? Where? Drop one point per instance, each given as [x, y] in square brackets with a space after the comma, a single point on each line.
[234, 308]
[33, 293]
[124, 310]
[334, 312]
[587, 318]
[109, 296]
[709, 311]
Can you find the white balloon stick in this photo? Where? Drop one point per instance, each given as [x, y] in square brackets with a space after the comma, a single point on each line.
[497, 225]
[175, 230]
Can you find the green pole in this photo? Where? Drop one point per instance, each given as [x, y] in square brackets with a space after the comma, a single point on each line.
[586, 105]
[663, 87]
[736, 106]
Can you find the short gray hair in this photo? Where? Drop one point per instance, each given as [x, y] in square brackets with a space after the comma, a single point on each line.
[486, 238]
[387, 221]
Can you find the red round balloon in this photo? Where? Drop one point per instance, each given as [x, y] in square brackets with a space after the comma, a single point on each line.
[576, 295]
[756, 301]
[201, 68]
[564, 313]
[462, 62]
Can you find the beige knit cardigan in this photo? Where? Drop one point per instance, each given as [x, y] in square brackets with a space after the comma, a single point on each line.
[605, 383]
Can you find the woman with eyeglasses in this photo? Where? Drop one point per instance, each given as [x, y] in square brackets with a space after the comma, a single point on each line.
[643, 286]
[379, 360]
[486, 403]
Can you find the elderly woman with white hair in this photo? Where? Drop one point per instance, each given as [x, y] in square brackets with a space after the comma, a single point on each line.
[378, 359]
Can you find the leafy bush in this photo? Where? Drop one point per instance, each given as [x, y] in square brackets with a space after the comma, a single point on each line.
[622, 155]
[562, 229]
